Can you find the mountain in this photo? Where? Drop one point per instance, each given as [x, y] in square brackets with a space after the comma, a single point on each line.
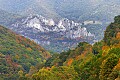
[50, 34]
[18, 53]
[78, 10]
[100, 61]
[82, 10]
[23, 7]
[104, 12]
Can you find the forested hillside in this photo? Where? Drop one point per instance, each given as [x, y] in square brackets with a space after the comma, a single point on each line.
[100, 61]
[18, 55]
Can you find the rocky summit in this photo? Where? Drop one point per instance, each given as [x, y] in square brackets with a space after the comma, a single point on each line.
[47, 31]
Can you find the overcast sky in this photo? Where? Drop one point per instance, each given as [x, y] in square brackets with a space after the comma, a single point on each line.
[11, 5]
[20, 5]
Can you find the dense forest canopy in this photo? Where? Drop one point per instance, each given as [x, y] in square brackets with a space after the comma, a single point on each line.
[18, 54]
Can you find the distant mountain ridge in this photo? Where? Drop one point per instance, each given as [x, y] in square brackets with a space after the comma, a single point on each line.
[104, 12]
[72, 9]
[40, 29]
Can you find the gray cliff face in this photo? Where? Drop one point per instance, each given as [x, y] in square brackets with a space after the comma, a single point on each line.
[47, 32]
[43, 25]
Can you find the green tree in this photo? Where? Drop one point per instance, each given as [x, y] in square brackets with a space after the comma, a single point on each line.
[44, 74]
[107, 66]
[65, 73]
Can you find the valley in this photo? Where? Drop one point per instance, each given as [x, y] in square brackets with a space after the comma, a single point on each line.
[59, 39]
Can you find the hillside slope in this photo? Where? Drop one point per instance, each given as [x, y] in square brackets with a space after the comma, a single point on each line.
[18, 53]
[100, 61]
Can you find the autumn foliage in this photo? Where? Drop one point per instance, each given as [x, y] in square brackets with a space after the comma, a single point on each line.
[29, 61]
